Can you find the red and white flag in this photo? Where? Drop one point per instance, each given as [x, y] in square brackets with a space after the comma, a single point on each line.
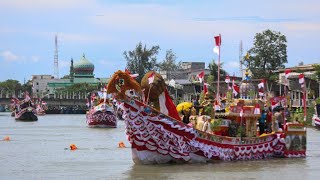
[216, 49]
[257, 109]
[301, 79]
[235, 88]
[205, 88]
[261, 93]
[216, 106]
[261, 84]
[167, 106]
[201, 76]
[151, 78]
[287, 72]
[132, 75]
[227, 79]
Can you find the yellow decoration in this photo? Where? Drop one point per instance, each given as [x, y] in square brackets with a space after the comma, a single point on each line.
[184, 106]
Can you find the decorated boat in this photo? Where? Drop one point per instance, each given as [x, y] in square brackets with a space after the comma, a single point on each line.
[25, 110]
[41, 107]
[316, 116]
[101, 115]
[158, 135]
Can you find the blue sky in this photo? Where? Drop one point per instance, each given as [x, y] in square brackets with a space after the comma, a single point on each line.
[104, 29]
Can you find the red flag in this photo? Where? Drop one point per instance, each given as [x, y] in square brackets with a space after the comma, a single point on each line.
[287, 71]
[151, 78]
[218, 40]
[201, 76]
[167, 106]
[301, 79]
[132, 75]
[205, 88]
[235, 88]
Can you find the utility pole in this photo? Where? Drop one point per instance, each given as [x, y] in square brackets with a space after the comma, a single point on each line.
[56, 64]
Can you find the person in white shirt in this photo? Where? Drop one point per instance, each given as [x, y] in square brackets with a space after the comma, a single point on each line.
[207, 124]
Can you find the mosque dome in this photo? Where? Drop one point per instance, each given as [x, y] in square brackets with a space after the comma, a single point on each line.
[83, 66]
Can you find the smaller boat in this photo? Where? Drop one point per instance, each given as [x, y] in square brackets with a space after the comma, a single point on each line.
[25, 111]
[41, 108]
[102, 116]
[316, 117]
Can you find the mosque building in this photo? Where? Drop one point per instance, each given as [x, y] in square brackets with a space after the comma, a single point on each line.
[80, 72]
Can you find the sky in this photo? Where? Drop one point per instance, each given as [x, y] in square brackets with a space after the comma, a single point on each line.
[104, 29]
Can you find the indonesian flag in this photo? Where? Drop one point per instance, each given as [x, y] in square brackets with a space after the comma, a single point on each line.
[235, 88]
[167, 106]
[301, 80]
[227, 79]
[261, 84]
[274, 104]
[261, 93]
[216, 49]
[286, 72]
[257, 109]
[201, 76]
[132, 75]
[151, 78]
[205, 88]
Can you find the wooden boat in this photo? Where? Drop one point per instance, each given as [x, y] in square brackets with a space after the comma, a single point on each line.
[101, 116]
[25, 111]
[158, 138]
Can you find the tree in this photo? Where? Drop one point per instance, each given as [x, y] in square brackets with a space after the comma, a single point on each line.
[213, 76]
[141, 60]
[269, 53]
[11, 86]
[213, 67]
[169, 63]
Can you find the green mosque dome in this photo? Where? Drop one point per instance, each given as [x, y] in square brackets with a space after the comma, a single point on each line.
[83, 66]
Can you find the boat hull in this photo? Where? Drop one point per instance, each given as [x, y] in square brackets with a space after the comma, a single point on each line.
[102, 119]
[26, 116]
[157, 139]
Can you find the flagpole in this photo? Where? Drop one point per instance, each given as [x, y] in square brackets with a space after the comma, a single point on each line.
[305, 103]
[285, 107]
[218, 86]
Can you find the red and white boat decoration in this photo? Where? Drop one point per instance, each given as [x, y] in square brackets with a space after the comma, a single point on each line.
[158, 138]
[25, 111]
[101, 116]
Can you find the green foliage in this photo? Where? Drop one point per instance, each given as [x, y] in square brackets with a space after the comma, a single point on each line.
[269, 53]
[317, 71]
[317, 100]
[141, 60]
[215, 125]
[10, 85]
[169, 63]
[213, 67]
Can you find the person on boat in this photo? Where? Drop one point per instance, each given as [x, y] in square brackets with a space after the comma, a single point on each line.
[207, 124]
[186, 115]
[200, 121]
[193, 117]
[196, 105]
[262, 121]
[268, 124]
[278, 119]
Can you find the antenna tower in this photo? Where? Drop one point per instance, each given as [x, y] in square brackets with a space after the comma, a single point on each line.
[240, 58]
[56, 64]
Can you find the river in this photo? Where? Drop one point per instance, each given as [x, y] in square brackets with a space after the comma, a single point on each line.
[40, 150]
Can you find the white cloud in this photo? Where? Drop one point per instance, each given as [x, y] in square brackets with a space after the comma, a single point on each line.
[9, 56]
